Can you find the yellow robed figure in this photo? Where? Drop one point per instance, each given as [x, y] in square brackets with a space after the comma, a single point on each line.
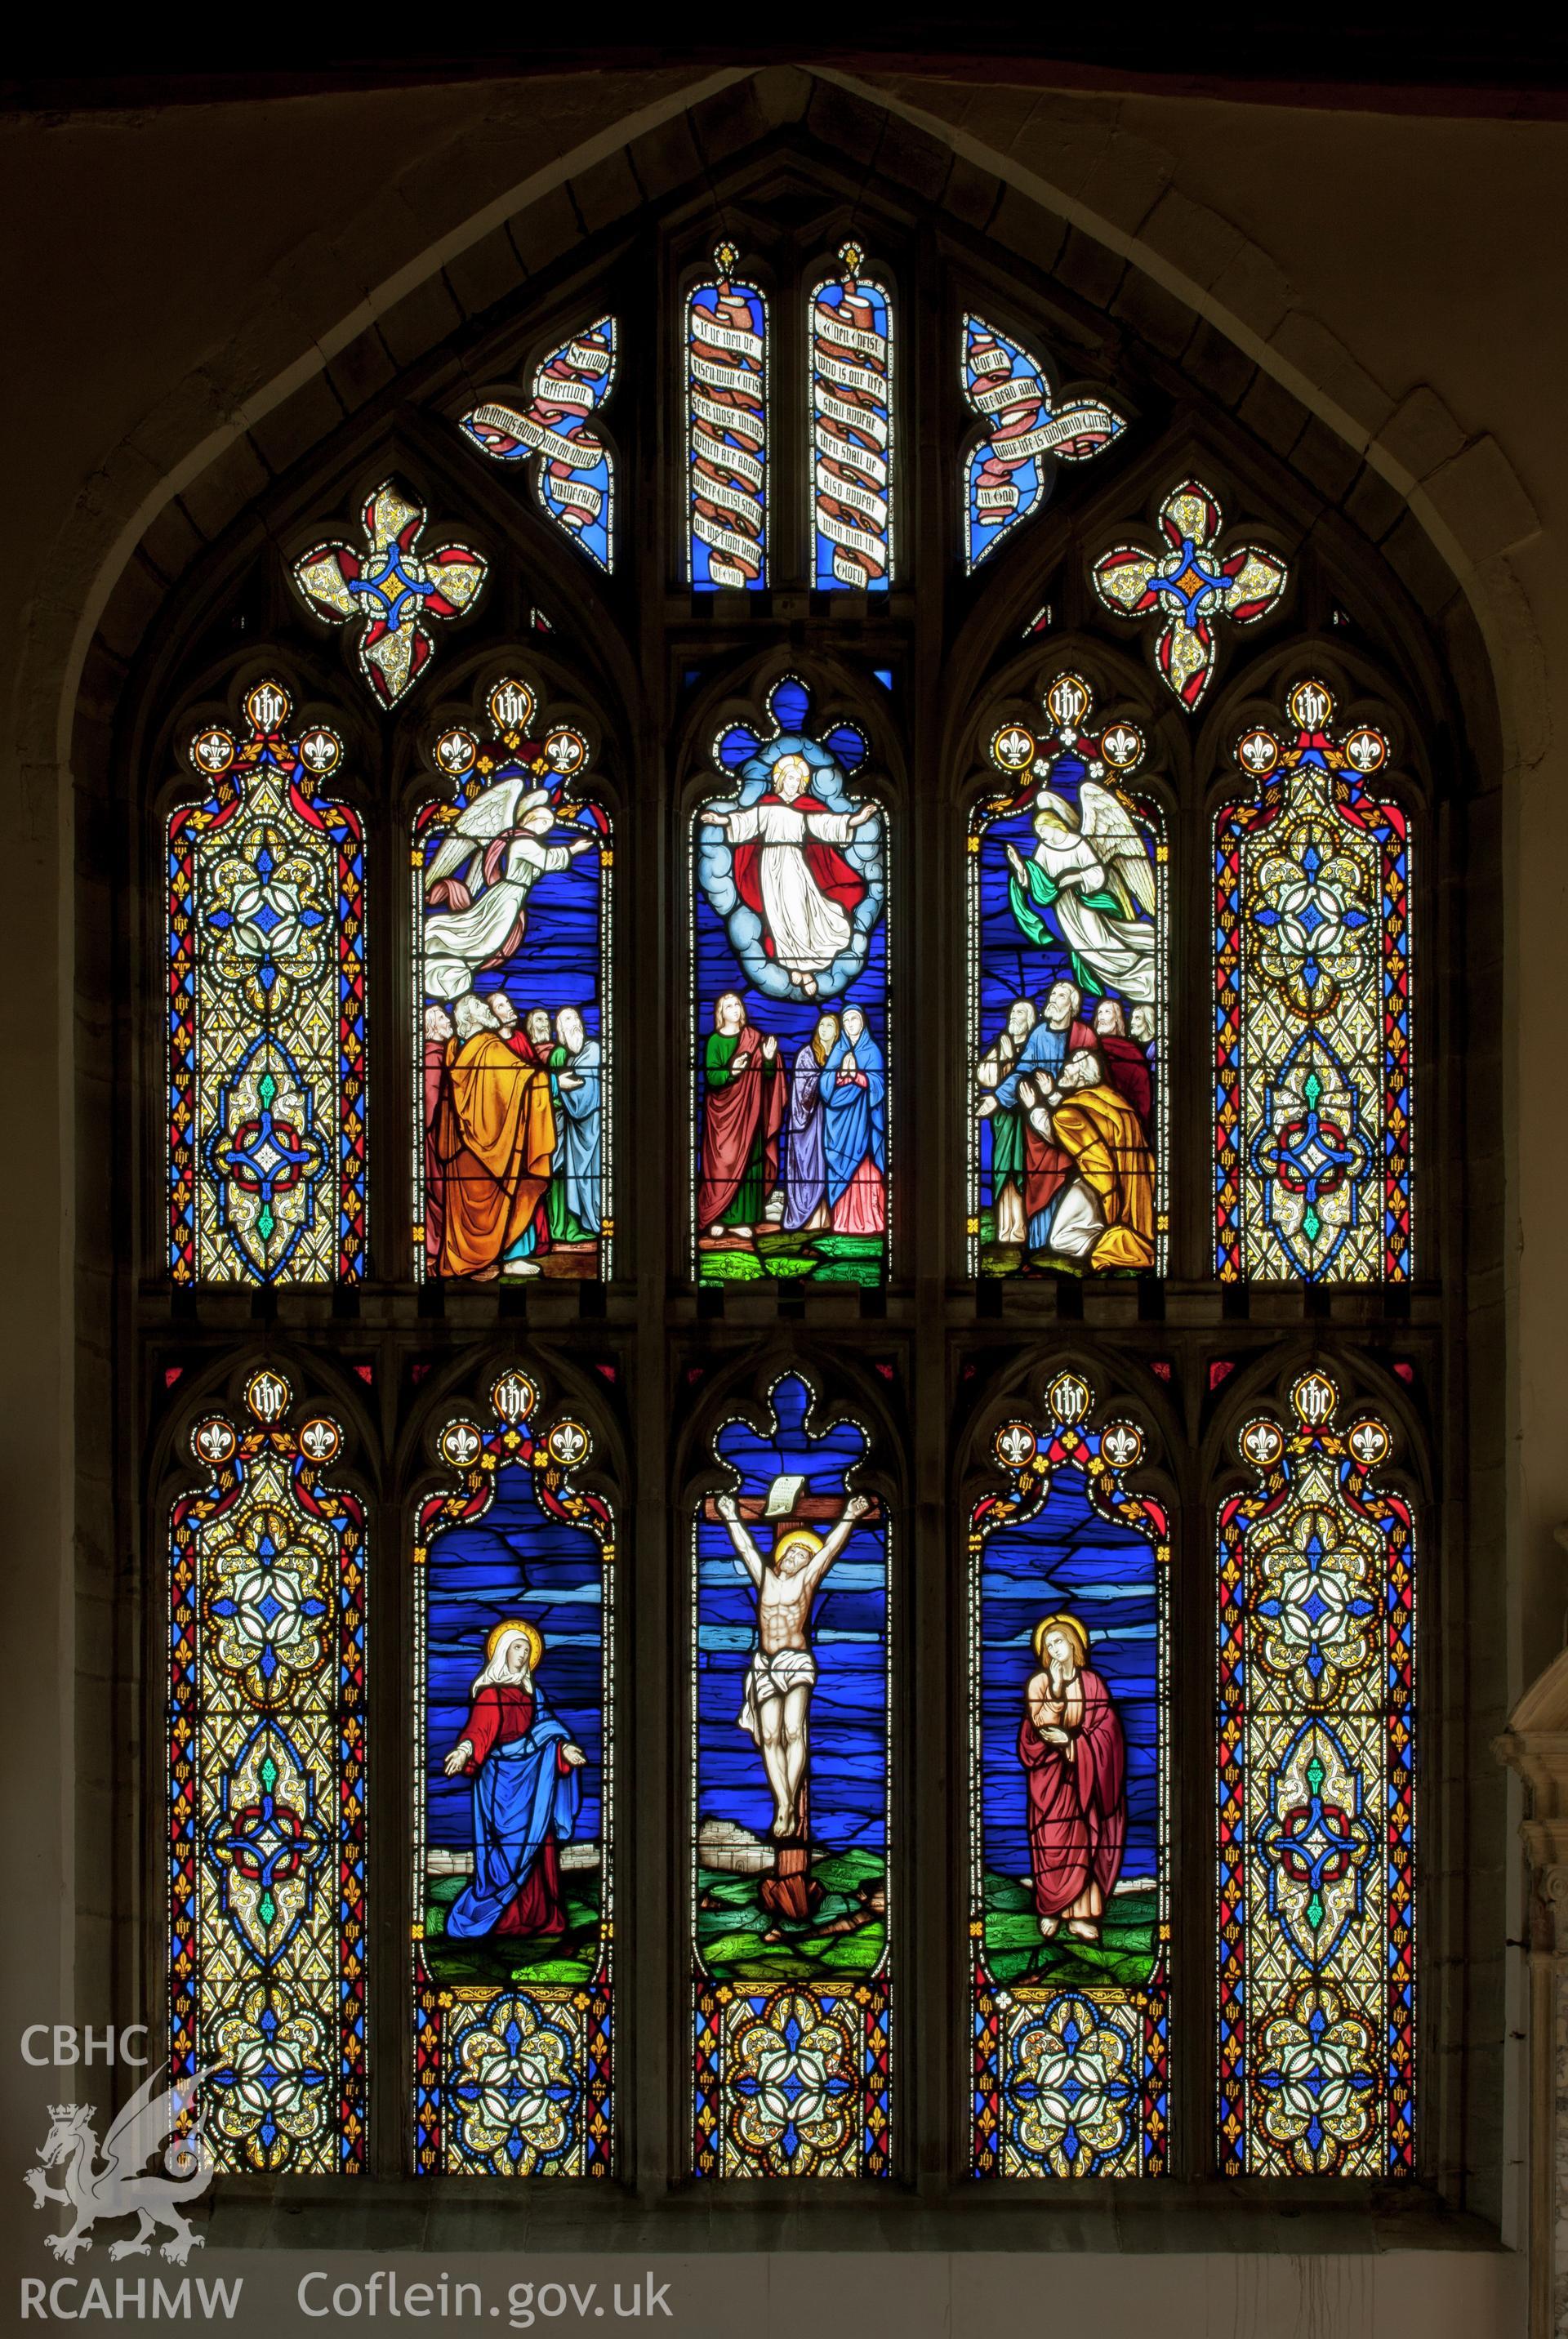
[494, 1133]
[1095, 1125]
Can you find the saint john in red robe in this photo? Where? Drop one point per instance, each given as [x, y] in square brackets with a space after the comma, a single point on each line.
[741, 1112]
[1077, 1798]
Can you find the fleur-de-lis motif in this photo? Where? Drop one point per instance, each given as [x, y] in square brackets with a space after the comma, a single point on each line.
[1189, 583]
[1369, 1443]
[1121, 1445]
[1015, 1445]
[212, 1441]
[318, 1439]
[1069, 705]
[460, 1443]
[568, 1444]
[1262, 1443]
[391, 589]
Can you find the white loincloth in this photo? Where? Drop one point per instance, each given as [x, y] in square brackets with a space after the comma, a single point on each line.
[773, 1677]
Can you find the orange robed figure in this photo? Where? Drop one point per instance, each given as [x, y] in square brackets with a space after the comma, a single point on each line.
[494, 1133]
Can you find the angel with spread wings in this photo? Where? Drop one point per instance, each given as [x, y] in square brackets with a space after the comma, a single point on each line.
[477, 886]
[1090, 879]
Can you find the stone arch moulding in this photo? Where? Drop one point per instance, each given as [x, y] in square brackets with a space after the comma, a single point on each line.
[1451, 510]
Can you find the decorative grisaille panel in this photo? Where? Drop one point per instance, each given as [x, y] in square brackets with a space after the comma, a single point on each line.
[1316, 1726]
[266, 1010]
[266, 1810]
[1313, 1139]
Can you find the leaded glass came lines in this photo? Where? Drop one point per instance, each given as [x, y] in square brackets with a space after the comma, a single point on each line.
[852, 385]
[266, 1031]
[267, 1812]
[727, 431]
[1312, 1010]
[1069, 1887]
[513, 1738]
[791, 1995]
[1316, 1715]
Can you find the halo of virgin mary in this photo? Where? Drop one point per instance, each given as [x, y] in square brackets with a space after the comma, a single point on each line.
[525, 1797]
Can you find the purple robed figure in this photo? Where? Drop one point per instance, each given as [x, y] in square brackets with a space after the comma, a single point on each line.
[806, 1176]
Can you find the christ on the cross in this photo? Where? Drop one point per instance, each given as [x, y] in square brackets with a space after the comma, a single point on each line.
[782, 1671]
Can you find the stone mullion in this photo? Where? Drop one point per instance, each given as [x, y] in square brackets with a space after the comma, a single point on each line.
[652, 2019]
[928, 1637]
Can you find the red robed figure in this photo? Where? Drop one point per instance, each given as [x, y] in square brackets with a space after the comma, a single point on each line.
[833, 872]
[501, 1713]
[1077, 1803]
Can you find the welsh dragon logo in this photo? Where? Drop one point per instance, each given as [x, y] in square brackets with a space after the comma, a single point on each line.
[118, 2185]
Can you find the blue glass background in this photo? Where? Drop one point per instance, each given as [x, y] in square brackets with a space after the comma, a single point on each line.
[832, 297]
[559, 962]
[516, 1561]
[705, 297]
[984, 535]
[1011, 966]
[848, 1635]
[1067, 1557]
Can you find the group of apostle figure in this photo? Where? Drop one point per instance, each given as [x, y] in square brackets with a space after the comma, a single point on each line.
[1071, 1109]
[513, 1145]
[812, 1135]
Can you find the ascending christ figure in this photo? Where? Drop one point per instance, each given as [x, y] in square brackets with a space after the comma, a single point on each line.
[789, 870]
[782, 1671]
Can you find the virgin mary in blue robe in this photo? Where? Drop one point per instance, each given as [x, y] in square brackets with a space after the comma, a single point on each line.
[526, 1795]
[854, 1099]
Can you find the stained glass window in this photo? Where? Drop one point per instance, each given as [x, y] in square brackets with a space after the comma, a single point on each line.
[1313, 1141]
[1025, 430]
[1069, 1049]
[511, 923]
[852, 391]
[386, 591]
[554, 432]
[790, 1042]
[1317, 1720]
[267, 1792]
[266, 1010]
[1068, 1802]
[514, 1692]
[1190, 580]
[727, 427]
[789, 1808]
